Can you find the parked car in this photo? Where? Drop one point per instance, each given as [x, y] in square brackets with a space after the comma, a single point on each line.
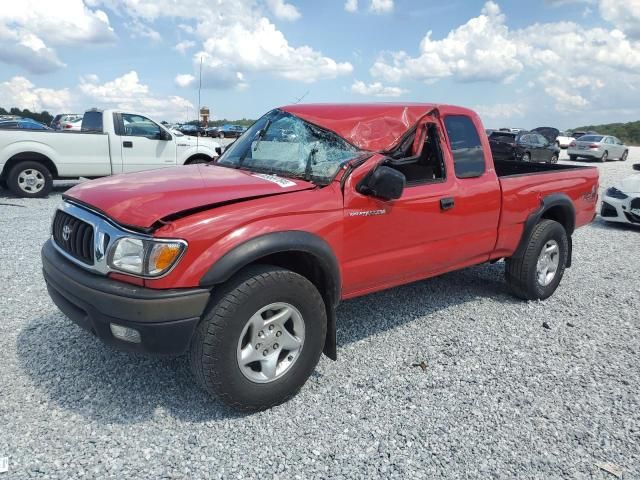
[244, 267]
[598, 147]
[523, 146]
[192, 130]
[230, 131]
[564, 139]
[22, 124]
[211, 132]
[57, 121]
[109, 142]
[621, 203]
[71, 125]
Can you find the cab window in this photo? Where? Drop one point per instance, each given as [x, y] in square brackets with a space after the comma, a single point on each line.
[139, 126]
[468, 155]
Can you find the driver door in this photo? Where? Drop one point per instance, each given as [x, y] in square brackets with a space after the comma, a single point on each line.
[141, 144]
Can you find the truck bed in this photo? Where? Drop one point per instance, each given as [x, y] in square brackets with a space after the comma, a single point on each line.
[508, 168]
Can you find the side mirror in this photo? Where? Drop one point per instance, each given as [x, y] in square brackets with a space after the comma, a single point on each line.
[384, 183]
[164, 135]
[636, 166]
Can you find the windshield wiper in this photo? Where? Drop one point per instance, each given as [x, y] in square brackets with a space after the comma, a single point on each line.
[310, 159]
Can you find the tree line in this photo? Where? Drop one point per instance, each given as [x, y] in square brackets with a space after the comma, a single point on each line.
[42, 117]
[628, 132]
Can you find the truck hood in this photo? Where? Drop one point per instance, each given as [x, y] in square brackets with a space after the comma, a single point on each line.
[141, 199]
[630, 185]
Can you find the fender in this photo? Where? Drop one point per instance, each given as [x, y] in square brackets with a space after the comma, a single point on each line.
[288, 241]
[32, 146]
[564, 203]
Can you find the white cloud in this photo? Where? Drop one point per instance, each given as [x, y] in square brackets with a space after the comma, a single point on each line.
[183, 46]
[29, 29]
[283, 10]
[351, 6]
[20, 92]
[376, 89]
[623, 14]
[591, 63]
[128, 93]
[501, 111]
[481, 49]
[381, 6]
[185, 80]
[237, 40]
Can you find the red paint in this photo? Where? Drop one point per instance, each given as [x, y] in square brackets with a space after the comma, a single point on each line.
[411, 240]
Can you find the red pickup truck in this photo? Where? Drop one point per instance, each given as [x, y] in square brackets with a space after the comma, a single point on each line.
[242, 262]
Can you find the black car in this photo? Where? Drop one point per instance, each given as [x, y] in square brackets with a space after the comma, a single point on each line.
[523, 146]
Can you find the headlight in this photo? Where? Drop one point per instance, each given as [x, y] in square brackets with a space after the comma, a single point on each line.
[148, 258]
[613, 192]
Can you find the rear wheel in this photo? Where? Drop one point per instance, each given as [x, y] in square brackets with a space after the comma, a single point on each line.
[526, 157]
[624, 156]
[573, 158]
[554, 158]
[604, 157]
[30, 180]
[261, 338]
[537, 273]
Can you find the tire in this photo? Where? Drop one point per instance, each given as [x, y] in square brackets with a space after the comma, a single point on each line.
[604, 157]
[3, 184]
[624, 156]
[573, 158]
[554, 158]
[526, 157]
[221, 135]
[30, 180]
[198, 160]
[215, 352]
[522, 273]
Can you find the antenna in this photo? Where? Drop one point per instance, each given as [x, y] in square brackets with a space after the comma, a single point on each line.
[299, 99]
[198, 112]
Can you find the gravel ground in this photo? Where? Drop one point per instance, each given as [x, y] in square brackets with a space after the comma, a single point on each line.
[498, 395]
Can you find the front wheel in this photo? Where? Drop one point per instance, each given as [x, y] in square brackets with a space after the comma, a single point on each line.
[604, 157]
[261, 338]
[537, 273]
[554, 158]
[573, 158]
[526, 157]
[624, 156]
[30, 179]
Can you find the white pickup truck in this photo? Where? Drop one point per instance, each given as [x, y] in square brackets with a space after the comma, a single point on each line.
[110, 142]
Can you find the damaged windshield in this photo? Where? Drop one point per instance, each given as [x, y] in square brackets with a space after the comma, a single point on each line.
[283, 144]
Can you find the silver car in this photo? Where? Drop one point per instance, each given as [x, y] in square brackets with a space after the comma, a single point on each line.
[599, 147]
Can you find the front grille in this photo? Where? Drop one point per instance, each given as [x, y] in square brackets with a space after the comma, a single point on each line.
[73, 236]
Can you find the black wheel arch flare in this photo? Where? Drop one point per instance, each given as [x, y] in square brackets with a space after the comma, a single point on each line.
[257, 248]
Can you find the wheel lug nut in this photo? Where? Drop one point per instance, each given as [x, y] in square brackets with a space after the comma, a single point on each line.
[261, 334]
[265, 353]
[290, 357]
[278, 333]
[270, 327]
[258, 345]
[275, 346]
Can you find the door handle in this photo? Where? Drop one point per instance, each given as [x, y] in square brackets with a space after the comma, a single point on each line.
[446, 203]
[127, 144]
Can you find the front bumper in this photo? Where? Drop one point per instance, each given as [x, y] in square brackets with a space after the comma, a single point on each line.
[618, 210]
[165, 319]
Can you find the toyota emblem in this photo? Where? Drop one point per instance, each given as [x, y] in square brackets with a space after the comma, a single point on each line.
[66, 233]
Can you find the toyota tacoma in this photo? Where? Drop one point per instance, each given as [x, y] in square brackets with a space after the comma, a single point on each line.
[242, 262]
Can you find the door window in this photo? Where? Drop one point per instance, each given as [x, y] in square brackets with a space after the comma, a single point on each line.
[139, 126]
[468, 155]
[427, 165]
